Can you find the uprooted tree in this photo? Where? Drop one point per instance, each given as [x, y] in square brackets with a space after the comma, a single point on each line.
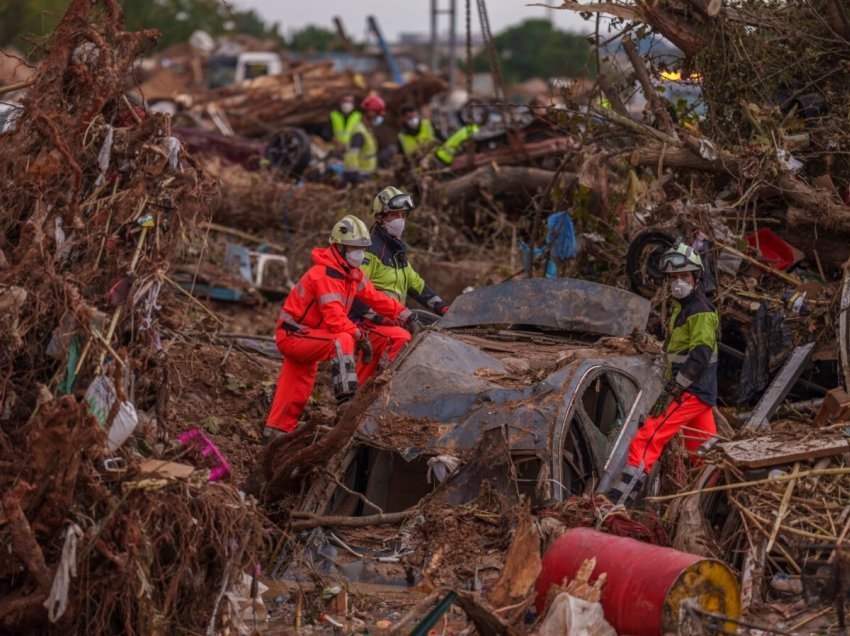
[94, 199]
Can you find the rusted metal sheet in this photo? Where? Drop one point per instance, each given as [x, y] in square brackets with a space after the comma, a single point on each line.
[563, 303]
[773, 450]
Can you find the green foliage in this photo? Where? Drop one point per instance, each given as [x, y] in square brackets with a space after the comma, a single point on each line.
[178, 19]
[313, 38]
[24, 21]
[534, 48]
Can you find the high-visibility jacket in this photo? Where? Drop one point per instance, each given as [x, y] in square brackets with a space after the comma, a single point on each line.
[362, 158]
[446, 153]
[323, 296]
[387, 266]
[691, 346]
[424, 137]
[342, 124]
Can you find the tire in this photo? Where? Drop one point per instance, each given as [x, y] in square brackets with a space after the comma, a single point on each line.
[289, 150]
[643, 260]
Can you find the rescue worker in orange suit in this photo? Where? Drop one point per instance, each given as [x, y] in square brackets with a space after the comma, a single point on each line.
[388, 267]
[313, 325]
[691, 389]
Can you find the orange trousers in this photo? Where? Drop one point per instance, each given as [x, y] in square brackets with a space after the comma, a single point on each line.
[302, 353]
[650, 440]
[387, 341]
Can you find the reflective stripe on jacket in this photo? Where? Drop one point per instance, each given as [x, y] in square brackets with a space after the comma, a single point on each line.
[423, 138]
[342, 125]
[692, 346]
[365, 157]
[446, 153]
[387, 266]
[324, 295]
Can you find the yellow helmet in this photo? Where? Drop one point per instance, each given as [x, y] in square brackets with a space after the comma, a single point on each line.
[391, 199]
[350, 231]
[681, 258]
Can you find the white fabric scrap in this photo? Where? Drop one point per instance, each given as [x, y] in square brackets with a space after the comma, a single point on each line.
[707, 150]
[57, 602]
[442, 466]
[104, 155]
[576, 617]
[173, 146]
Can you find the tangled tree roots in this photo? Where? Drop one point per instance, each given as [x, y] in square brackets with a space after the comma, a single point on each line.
[94, 201]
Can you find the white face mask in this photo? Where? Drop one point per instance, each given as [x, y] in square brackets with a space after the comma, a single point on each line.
[681, 289]
[346, 107]
[355, 257]
[378, 121]
[395, 227]
[413, 124]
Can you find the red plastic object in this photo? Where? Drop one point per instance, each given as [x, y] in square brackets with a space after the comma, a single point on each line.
[219, 469]
[778, 254]
[645, 583]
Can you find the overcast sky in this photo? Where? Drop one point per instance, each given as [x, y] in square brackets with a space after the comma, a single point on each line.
[401, 16]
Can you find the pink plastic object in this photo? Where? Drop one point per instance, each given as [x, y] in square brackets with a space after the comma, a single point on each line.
[220, 469]
[775, 251]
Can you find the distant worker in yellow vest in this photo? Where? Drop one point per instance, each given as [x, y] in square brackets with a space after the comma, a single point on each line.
[417, 133]
[343, 121]
[361, 155]
[446, 153]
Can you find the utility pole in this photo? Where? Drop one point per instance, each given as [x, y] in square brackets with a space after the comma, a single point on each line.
[436, 12]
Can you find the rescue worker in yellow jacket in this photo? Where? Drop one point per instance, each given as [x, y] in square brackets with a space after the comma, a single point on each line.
[361, 156]
[691, 390]
[417, 133]
[343, 121]
[388, 267]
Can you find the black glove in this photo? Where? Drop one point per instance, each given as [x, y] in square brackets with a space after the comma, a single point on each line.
[441, 308]
[378, 319]
[364, 346]
[412, 324]
[673, 390]
[672, 393]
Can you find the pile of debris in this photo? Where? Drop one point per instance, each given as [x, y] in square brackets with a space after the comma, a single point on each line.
[96, 197]
[302, 95]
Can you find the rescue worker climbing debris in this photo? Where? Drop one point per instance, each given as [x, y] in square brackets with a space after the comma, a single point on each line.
[361, 155]
[446, 152]
[343, 121]
[388, 267]
[417, 133]
[691, 388]
[313, 325]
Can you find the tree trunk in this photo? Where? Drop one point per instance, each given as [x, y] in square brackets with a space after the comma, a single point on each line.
[674, 27]
[708, 7]
[498, 181]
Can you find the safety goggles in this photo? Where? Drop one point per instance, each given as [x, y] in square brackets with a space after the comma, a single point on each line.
[675, 260]
[400, 202]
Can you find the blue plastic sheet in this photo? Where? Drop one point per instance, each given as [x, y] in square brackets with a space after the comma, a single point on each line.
[560, 244]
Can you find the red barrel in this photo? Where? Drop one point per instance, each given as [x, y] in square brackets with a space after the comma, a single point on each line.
[645, 583]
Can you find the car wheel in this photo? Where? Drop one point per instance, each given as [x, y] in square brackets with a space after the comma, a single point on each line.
[643, 260]
[289, 150]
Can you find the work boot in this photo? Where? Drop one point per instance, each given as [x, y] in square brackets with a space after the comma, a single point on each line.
[344, 373]
[628, 487]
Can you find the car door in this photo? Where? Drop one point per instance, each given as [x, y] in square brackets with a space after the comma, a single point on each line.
[600, 408]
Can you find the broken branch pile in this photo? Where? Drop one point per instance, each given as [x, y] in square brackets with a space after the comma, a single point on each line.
[94, 204]
[302, 95]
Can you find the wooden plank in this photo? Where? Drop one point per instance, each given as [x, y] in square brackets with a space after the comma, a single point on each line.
[772, 450]
[779, 388]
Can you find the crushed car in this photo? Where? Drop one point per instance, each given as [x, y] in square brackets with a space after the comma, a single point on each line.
[534, 386]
